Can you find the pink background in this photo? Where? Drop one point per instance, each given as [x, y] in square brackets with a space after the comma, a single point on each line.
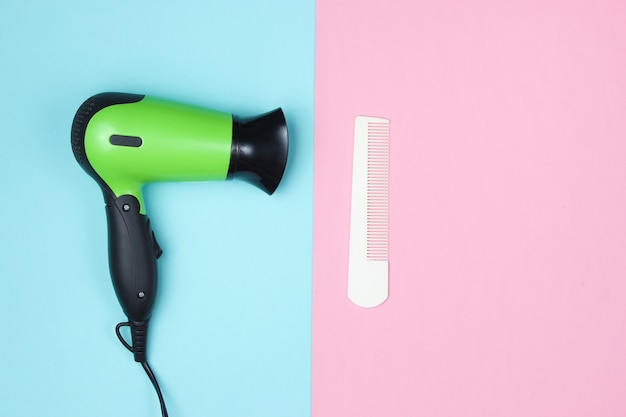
[508, 208]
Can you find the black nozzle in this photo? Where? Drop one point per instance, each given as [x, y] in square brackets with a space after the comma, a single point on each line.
[259, 150]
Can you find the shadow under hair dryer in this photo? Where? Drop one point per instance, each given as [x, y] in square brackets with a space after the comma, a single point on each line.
[124, 141]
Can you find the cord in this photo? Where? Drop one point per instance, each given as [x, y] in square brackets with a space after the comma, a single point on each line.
[153, 379]
[144, 363]
[119, 335]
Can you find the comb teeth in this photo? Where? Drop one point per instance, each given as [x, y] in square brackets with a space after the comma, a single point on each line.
[378, 190]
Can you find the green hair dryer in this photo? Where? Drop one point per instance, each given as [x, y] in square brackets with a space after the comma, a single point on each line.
[124, 141]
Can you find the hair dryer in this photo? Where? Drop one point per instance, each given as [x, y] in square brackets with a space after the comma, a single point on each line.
[124, 141]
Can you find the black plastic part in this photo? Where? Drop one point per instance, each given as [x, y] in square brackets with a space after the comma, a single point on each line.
[259, 150]
[79, 126]
[123, 140]
[157, 248]
[139, 336]
[132, 257]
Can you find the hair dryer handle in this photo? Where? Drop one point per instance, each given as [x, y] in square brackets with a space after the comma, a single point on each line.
[133, 252]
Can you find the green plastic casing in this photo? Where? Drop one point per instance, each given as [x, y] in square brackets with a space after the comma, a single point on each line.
[177, 142]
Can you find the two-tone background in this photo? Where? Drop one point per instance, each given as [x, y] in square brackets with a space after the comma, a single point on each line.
[507, 223]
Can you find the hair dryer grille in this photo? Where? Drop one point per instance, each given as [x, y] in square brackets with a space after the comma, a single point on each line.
[78, 130]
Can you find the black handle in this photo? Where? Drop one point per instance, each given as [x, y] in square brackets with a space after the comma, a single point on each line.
[133, 252]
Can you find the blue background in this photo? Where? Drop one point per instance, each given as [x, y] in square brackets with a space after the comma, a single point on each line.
[230, 335]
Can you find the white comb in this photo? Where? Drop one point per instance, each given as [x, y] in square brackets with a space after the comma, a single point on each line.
[368, 273]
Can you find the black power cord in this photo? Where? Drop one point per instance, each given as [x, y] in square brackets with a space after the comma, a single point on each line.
[144, 362]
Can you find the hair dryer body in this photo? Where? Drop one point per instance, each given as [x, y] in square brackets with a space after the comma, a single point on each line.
[125, 141]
